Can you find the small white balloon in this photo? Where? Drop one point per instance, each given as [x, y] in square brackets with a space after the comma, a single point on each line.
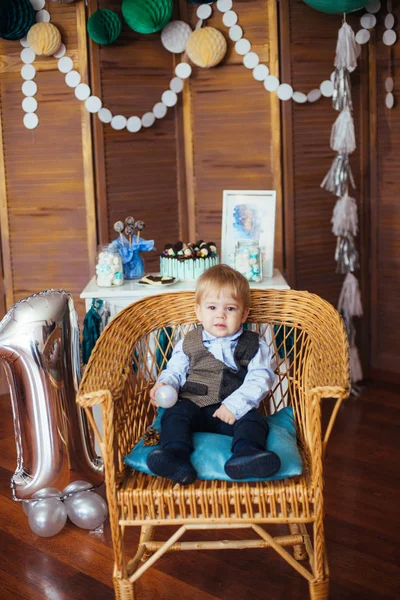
[368, 21]
[24, 42]
[261, 72]
[105, 115]
[134, 124]
[28, 56]
[326, 88]
[389, 84]
[389, 21]
[389, 100]
[314, 95]
[166, 396]
[251, 60]
[271, 83]
[363, 36]
[204, 11]
[43, 16]
[118, 122]
[65, 64]
[28, 72]
[389, 37]
[224, 5]
[242, 46]
[373, 6]
[82, 91]
[284, 91]
[29, 88]
[93, 104]
[176, 85]
[72, 79]
[38, 4]
[236, 33]
[299, 97]
[31, 120]
[230, 18]
[169, 98]
[183, 70]
[61, 51]
[29, 105]
[148, 119]
[159, 110]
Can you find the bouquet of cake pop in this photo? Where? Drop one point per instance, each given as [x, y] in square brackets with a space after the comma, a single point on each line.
[130, 245]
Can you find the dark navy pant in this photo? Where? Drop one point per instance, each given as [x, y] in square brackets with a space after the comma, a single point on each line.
[185, 417]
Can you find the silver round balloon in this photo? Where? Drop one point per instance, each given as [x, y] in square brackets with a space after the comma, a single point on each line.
[86, 510]
[39, 346]
[76, 486]
[47, 517]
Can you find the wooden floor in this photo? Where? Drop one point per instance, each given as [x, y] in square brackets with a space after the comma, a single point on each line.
[362, 531]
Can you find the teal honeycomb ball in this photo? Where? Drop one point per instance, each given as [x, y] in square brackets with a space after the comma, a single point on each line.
[104, 26]
[147, 16]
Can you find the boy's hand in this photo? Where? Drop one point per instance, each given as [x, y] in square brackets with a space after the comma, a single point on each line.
[224, 415]
[153, 393]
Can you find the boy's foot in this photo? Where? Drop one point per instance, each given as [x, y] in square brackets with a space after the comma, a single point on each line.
[251, 462]
[173, 465]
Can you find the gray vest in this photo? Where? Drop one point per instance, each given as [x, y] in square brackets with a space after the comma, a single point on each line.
[209, 381]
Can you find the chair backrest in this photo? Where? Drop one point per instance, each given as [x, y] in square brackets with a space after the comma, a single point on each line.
[306, 335]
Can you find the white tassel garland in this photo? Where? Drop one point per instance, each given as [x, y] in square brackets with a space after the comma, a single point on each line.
[350, 298]
[343, 138]
[355, 365]
[345, 219]
[346, 49]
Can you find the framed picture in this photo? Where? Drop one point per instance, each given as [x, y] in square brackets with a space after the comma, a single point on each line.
[249, 215]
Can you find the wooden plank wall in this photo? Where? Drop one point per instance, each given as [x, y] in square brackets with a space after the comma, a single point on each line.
[46, 200]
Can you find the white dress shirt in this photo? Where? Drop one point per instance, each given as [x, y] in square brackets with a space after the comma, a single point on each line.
[256, 385]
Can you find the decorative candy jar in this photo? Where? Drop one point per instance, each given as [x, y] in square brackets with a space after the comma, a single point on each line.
[109, 270]
[248, 260]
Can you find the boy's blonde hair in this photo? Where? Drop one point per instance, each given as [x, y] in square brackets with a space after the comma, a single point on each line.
[222, 276]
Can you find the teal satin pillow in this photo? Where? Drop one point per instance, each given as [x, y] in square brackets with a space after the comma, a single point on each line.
[212, 450]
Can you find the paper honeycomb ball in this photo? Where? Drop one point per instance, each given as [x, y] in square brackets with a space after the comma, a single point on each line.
[147, 16]
[16, 18]
[104, 26]
[44, 39]
[175, 36]
[336, 6]
[206, 47]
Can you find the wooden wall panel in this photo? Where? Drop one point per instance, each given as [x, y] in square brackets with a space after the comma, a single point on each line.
[47, 211]
[236, 123]
[385, 213]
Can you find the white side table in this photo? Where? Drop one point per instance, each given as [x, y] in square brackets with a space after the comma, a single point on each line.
[118, 298]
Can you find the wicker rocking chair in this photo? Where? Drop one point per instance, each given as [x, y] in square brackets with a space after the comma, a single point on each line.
[311, 350]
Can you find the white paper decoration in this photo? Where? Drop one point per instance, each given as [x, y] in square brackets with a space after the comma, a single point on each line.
[389, 84]
[176, 85]
[261, 72]
[299, 97]
[230, 18]
[28, 72]
[28, 56]
[363, 36]
[314, 95]
[105, 115]
[160, 110]
[60, 52]
[93, 104]
[235, 33]
[251, 60]
[65, 64]
[271, 83]
[389, 21]
[175, 36]
[169, 98]
[29, 88]
[24, 42]
[43, 16]
[29, 104]
[204, 11]
[389, 100]
[284, 92]
[38, 4]
[326, 88]
[31, 120]
[118, 122]
[134, 124]
[183, 70]
[82, 91]
[72, 79]
[224, 5]
[389, 37]
[373, 6]
[368, 21]
[242, 46]
[148, 119]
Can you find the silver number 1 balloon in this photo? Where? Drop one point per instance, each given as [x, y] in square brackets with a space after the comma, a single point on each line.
[39, 346]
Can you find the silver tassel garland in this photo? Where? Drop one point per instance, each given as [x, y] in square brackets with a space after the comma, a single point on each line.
[345, 219]
[341, 97]
[346, 255]
[339, 176]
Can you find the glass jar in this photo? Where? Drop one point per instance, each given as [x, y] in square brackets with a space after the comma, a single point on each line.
[248, 260]
[109, 270]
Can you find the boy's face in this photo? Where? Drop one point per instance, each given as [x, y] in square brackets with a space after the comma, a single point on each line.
[220, 314]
